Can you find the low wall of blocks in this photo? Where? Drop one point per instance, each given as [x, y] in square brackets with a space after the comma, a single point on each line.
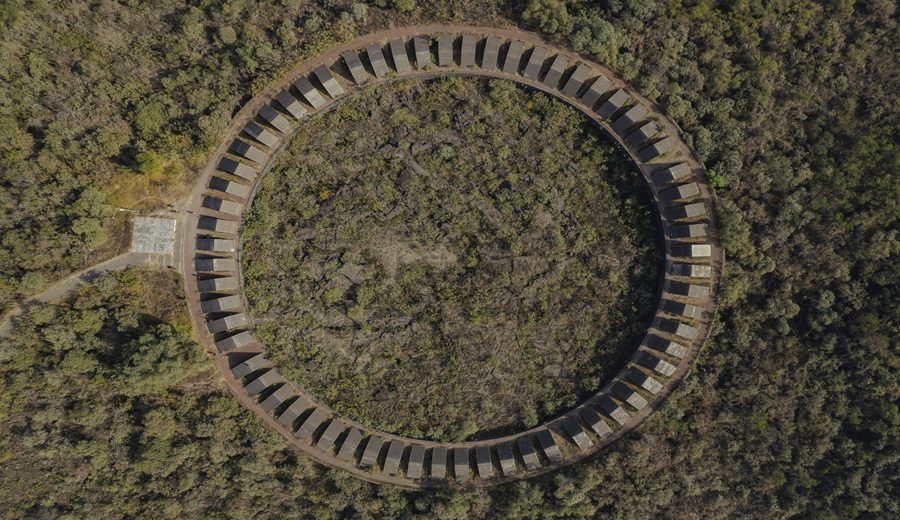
[675, 178]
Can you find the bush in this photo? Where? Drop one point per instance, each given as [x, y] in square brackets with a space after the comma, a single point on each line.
[150, 163]
[550, 16]
[227, 34]
[404, 6]
[359, 12]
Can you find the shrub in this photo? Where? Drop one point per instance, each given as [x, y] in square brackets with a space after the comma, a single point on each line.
[359, 12]
[150, 163]
[550, 16]
[227, 34]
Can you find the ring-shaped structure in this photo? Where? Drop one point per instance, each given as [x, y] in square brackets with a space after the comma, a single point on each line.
[679, 188]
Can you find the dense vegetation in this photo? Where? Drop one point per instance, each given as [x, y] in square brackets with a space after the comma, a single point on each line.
[109, 409]
[451, 257]
[792, 408]
[112, 104]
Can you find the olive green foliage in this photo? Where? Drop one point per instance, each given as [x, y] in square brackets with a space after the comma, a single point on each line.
[550, 16]
[108, 409]
[451, 257]
[791, 410]
[91, 92]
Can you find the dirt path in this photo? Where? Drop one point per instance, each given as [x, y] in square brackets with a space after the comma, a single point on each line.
[60, 289]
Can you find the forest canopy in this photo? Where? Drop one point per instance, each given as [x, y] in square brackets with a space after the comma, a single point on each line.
[791, 410]
[450, 258]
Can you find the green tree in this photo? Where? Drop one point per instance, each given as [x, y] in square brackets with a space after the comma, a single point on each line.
[550, 16]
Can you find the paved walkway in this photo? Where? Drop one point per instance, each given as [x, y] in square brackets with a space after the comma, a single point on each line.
[57, 291]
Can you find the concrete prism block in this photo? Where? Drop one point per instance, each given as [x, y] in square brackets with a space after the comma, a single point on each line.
[273, 118]
[513, 59]
[215, 245]
[445, 50]
[689, 290]
[289, 416]
[688, 231]
[548, 445]
[461, 468]
[370, 454]
[613, 410]
[625, 393]
[576, 80]
[335, 428]
[683, 191]
[467, 51]
[328, 81]
[690, 270]
[577, 433]
[392, 459]
[376, 59]
[665, 346]
[415, 464]
[232, 188]
[528, 453]
[483, 462]
[218, 225]
[676, 328]
[691, 250]
[612, 105]
[671, 174]
[643, 380]
[247, 151]
[507, 459]
[643, 134]
[658, 149]
[229, 323]
[657, 365]
[210, 285]
[696, 209]
[310, 93]
[681, 309]
[308, 427]
[263, 382]
[350, 444]
[260, 134]
[491, 53]
[557, 68]
[422, 48]
[291, 104]
[438, 469]
[535, 63]
[398, 54]
[222, 206]
[215, 265]
[250, 365]
[596, 423]
[629, 118]
[596, 91]
[277, 398]
[224, 303]
[356, 68]
[237, 168]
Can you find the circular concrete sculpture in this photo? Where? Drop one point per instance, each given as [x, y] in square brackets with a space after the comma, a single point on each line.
[676, 180]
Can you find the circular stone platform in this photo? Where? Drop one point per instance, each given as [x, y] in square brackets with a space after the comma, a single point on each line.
[676, 180]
